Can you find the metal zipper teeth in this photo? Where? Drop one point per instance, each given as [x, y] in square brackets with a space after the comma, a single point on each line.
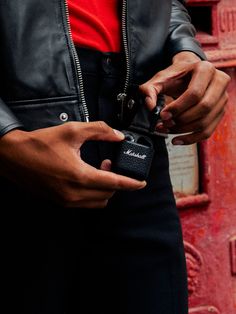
[85, 112]
[125, 43]
[121, 97]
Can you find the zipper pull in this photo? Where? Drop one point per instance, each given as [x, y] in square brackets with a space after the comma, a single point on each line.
[121, 98]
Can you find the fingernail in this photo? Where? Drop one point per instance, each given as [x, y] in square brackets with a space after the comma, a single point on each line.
[160, 125]
[166, 115]
[144, 183]
[118, 133]
[178, 142]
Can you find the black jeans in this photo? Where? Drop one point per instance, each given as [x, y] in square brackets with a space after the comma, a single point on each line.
[127, 258]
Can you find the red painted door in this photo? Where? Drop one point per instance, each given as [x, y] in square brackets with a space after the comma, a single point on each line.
[208, 215]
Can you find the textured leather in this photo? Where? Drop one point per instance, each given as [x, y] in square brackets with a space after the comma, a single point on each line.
[36, 60]
[46, 113]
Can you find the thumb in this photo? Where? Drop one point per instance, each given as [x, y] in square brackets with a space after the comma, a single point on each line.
[100, 131]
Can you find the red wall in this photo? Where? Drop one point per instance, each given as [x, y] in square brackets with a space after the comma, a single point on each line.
[209, 219]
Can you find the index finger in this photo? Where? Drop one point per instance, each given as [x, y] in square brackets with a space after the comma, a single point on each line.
[100, 179]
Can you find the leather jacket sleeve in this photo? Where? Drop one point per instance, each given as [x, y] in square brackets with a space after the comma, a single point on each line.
[182, 32]
[8, 121]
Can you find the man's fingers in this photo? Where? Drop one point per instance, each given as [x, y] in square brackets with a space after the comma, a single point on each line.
[203, 127]
[100, 131]
[203, 113]
[161, 83]
[185, 124]
[100, 179]
[90, 194]
[196, 137]
[151, 93]
[97, 131]
[202, 110]
[202, 75]
[75, 195]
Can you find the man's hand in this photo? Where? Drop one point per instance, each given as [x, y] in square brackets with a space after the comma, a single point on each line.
[48, 162]
[200, 97]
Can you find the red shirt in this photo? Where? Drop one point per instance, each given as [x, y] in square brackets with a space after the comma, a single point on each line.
[96, 24]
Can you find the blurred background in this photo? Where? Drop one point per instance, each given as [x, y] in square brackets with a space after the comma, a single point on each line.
[204, 176]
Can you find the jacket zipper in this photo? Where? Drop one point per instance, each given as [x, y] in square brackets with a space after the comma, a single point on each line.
[84, 108]
[121, 97]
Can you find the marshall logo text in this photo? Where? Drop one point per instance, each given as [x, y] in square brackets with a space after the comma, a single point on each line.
[129, 152]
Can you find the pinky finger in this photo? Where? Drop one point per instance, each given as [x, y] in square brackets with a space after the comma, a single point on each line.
[196, 137]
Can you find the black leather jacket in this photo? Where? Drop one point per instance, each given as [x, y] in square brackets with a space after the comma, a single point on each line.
[39, 77]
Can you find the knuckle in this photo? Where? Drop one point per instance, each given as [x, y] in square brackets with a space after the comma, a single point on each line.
[78, 176]
[115, 183]
[71, 128]
[119, 184]
[66, 198]
[144, 86]
[84, 179]
[69, 196]
[208, 66]
[103, 126]
[224, 77]
[195, 94]
[205, 106]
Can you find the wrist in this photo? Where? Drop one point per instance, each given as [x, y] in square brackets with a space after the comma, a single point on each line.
[186, 57]
[11, 139]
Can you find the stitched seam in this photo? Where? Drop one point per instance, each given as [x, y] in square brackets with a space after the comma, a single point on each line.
[42, 100]
[9, 126]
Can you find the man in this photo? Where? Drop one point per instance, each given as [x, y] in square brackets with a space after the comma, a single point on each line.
[78, 237]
